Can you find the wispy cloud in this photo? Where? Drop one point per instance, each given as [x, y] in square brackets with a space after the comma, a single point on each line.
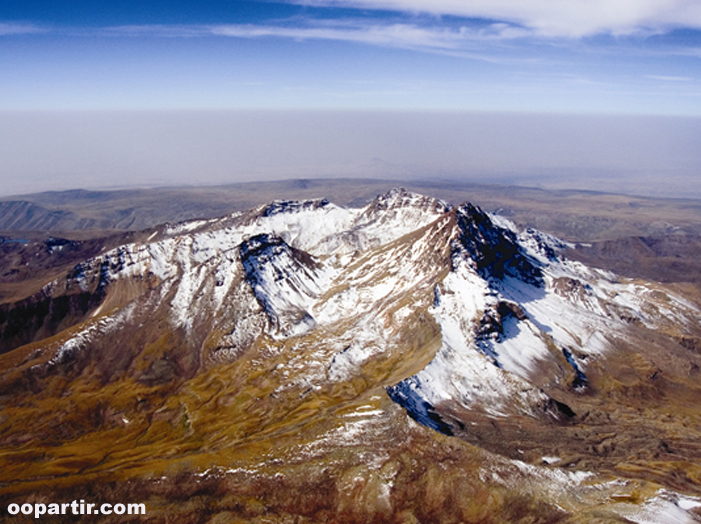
[465, 41]
[12, 28]
[393, 34]
[666, 78]
[157, 30]
[482, 39]
[551, 18]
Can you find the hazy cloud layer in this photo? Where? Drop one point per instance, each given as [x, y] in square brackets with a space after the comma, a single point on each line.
[62, 150]
[569, 18]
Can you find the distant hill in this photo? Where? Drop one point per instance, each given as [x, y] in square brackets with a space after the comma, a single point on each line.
[573, 215]
[20, 215]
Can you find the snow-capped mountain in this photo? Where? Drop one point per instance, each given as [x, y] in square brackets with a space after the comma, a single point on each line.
[507, 306]
[475, 328]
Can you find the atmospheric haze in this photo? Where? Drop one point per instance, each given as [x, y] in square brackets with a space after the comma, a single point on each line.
[55, 150]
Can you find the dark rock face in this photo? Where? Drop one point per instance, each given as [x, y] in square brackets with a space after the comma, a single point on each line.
[53, 309]
[263, 249]
[41, 315]
[417, 408]
[494, 250]
[66, 300]
[492, 323]
[293, 206]
[580, 381]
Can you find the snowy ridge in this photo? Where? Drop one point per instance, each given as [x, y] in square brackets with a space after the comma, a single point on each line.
[499, 326]
[461, 371]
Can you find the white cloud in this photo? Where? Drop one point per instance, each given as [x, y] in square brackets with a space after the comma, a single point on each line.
[394, 35]
[552, 18]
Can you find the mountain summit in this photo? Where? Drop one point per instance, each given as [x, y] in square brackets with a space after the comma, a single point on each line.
[407, 361]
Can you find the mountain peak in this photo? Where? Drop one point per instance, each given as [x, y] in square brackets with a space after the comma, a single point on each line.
[403, 209]
[494, 250]
[399, 197]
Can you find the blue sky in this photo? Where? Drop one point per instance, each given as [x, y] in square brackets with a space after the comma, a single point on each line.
[562, 56]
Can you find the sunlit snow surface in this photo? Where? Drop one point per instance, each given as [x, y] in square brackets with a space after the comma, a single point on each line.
[665, 508]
